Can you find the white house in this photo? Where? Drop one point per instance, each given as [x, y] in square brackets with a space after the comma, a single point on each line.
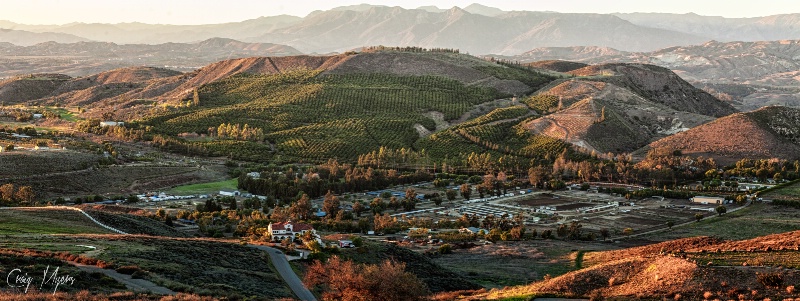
[37, 116]
[254, 174]
[281, 231]
[708, 200]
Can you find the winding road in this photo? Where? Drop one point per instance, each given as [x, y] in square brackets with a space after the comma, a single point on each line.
[289, 276]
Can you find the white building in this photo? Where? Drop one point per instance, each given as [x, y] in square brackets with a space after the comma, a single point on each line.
[290, 230]
[254, 174]
[229, 193]
[111, 123]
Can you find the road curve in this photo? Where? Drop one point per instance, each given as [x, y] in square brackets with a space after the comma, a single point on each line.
[282, 265]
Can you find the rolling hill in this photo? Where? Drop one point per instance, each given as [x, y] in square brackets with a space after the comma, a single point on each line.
[448, 104]
[770, 132]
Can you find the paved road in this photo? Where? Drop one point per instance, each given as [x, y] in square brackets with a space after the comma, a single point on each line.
[282, 265]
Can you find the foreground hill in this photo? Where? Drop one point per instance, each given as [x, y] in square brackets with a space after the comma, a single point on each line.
[691, 269]
[770, 132]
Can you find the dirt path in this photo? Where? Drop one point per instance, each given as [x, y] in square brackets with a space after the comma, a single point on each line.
[136, 285]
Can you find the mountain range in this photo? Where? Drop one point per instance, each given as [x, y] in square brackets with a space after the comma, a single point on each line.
[475, 29]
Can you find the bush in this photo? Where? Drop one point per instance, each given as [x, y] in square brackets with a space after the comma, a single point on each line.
[128, 269]
[770, 279]
[445, 249]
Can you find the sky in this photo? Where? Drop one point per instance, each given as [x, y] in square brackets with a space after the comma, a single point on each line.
[215, 11]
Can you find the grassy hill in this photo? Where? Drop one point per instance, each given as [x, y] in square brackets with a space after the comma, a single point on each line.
[449, 105]
[769, 132]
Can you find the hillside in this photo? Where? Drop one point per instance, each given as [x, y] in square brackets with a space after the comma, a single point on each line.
[766, 133]
[683, 269]
[748, 75]
[620, 107]
[33, 86]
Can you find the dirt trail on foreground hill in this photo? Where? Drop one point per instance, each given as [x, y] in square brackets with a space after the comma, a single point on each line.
[136, 285]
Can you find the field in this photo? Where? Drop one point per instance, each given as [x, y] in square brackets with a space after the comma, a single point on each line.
[791, 192]
[40, 163]
[513, 263]
[46, 221]
[211, 187]
[116, 180]
[756, 220]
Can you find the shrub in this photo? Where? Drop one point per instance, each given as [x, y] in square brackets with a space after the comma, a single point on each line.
[445, 249]
[128, 269]
[770, 279]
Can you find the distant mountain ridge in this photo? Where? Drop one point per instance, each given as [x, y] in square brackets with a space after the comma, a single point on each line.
[84, 58]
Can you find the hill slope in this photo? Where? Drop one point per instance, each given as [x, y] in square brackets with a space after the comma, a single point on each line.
[621, 107]
[689, 267]
[770, 132]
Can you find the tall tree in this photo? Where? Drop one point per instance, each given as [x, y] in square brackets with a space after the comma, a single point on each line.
[347, 281]
[330, 205]
[302, 208]
[466, 191]
[7, 192]
[25, 195]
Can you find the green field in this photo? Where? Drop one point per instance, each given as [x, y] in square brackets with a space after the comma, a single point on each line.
[211, 187]
[756, 220]
[46, 221]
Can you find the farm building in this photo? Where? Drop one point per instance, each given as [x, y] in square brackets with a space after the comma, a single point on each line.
[111, 123]
[229, 193]
[281, 231]
[708, 200]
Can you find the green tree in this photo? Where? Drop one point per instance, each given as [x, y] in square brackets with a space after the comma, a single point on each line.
[698, 216]
[451, 194]
[670, 224]
[721, 209]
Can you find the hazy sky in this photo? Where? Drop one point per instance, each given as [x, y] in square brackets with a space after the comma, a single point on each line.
[215, 11]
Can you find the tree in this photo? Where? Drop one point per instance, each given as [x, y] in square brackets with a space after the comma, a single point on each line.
[330, 205]
[347, 281]
[721, 210]
[437, 200]
[698, 216]
[411, 194]
[195, 98]
[25, 195]
[466, 191]
[301, 209]
[357, 208]
[517, 232]
[604, 233]
[7, 192]
[377, 205]
[451, 194]
[574, 230]
[670, 224]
